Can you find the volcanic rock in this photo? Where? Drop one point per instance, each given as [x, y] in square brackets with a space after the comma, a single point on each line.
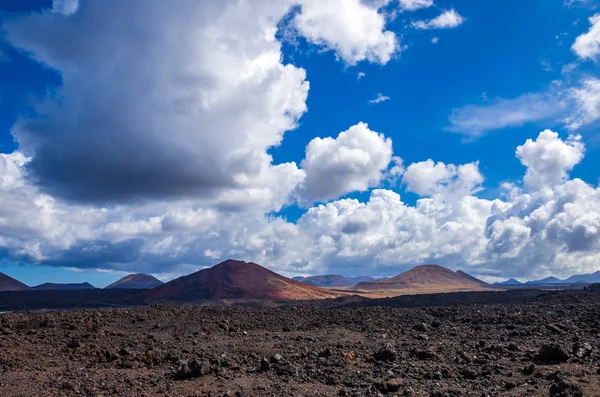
[63, 287]
[552, 353]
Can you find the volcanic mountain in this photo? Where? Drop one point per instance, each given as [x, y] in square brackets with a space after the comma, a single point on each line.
[136, 281]
[237, 280]
[425, 279]
[63, 287]
[10, 284]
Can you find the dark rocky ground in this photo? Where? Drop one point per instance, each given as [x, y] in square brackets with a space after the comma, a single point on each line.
[542, 344]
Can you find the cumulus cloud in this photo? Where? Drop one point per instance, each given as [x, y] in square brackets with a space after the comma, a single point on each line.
[587, 45]
[446, 20]
[428, 178]
[138, 124]
[586, 99]
[350, 28]
[553, 227]
[354, 161]
[549, 159]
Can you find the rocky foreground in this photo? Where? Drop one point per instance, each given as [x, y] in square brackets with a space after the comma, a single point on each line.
[546, 347]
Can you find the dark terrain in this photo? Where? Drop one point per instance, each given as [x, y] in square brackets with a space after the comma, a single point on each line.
[533, 344]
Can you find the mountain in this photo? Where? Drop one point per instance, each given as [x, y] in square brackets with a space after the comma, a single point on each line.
[360, 279]
[326, 280]
[587, 278]
[333, 280]
[547, 280]
[510, 281]
[136, 281]
[10, 284]
[426, 278]
[63, 287]
[237, 280]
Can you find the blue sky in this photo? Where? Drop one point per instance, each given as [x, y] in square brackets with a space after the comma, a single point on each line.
[143, 144]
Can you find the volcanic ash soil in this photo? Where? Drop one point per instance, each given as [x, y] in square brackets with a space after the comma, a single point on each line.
[545, 348]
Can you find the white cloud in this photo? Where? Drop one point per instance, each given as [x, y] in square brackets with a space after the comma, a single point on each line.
[380, 98]
[435, 40]
[586, 100]
[446, 20]
[475, 120]
[429, 178]
[412, 5]
[573, 106]
[587, 45]
[360, 75]
[353, 30]
[549, 159]
[551, 230]
[65, 7]
[354, 161]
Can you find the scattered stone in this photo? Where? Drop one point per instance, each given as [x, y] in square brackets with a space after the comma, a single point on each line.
[552, 353]
[325, 352]
[265, 365]
[565, 388]
[581, 350]
[276, 358]
[385, 354]
[426, 354]
[421, 327]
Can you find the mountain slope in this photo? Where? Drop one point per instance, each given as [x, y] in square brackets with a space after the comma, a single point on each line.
[63, 287]
[427, 278]
[10, 284]
[136, 281]
[237, 280]
[547, 280]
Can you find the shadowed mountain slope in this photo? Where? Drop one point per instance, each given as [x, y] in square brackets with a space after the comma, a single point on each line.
[10, 284]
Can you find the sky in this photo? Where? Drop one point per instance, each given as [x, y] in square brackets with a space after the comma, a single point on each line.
[312, 137]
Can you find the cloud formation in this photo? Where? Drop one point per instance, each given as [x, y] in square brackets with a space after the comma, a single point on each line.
[587, 45]
[573, 106]
[354, 161]
[446, 20]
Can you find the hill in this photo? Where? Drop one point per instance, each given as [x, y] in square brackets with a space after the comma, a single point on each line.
[136, 281]
[10, 284]
[424, 279]
[63, 287]
[547, 280]
[509, 282]
[237, 280]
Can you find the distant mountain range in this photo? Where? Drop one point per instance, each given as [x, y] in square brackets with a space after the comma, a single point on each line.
[136, 281]
[333, 280]
[63, 287]
[233, 279]
[575, 279]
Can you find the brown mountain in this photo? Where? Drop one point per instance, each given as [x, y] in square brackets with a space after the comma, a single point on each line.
[237, 280]
[10, 284]
[136, 281]
[63, 287]
[426, 278]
